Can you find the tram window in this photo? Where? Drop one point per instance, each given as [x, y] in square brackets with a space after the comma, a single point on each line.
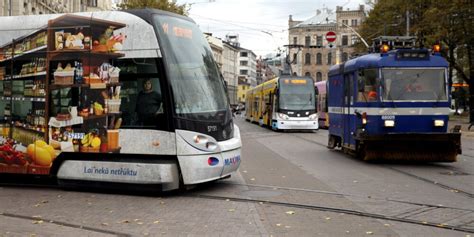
[367, 85]
[142, 103]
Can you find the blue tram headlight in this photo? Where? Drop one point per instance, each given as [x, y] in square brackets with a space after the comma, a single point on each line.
[389, 123]
[438, 123]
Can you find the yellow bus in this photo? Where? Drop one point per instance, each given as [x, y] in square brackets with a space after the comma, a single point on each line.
[283, 103]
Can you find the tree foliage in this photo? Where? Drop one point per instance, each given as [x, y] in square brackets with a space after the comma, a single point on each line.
[449, 22]
[165, 5]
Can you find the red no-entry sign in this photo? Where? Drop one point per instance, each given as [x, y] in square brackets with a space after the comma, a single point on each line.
[331, 36]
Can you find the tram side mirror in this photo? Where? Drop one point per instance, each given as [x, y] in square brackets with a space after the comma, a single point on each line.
[361, 81]
[360, 85]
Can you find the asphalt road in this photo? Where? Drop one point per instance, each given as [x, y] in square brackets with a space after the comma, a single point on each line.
[289, 184]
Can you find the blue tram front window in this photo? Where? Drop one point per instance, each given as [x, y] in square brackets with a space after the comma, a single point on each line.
[414, 84]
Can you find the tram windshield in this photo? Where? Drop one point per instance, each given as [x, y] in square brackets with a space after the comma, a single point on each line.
[414, 84]
[297, 94]
[197, 88]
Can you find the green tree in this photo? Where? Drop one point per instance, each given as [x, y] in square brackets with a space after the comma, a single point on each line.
[165, 5]
[449, 22]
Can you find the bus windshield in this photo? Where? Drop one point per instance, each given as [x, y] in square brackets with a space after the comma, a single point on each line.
[414, 84]
[197, 88]
[297, 94]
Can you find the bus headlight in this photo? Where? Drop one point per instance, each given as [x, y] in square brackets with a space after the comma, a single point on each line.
[313, 117]
[389, 123]
[439, 123]
[283, 116]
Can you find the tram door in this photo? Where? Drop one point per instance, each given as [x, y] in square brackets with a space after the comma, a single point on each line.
[270, 109]
[348, 116]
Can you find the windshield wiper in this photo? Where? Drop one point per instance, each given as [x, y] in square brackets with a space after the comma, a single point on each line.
[389, 95]
[309, 101]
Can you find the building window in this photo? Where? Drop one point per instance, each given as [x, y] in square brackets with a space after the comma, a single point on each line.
[295, 60]
[319, 59]
[243, 96]
[92, 3]
[307, 74]
[307, 41]
[319, 40]
[244, 72]
[329, 58]
[344, 57]
[243, 54]
[307, 59]
[354, 22]
[355, 39]
[244, 63]
[295, 40]
[319, 76]
[345, 40]
[344, 23]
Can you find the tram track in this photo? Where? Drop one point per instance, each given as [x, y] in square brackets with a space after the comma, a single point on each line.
[337, 210]
[65, 224]
[272, 187]
[436, 183]
[444, 186]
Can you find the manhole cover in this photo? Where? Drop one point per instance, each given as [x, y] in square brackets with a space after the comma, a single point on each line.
[256, 193]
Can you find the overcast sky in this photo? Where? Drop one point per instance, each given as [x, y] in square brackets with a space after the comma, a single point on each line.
[262, 25]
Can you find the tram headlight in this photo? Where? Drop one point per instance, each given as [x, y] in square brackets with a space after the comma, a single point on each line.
[313, 117]
[199, 139]
[389, 123]
[283, 116]
[439, 123]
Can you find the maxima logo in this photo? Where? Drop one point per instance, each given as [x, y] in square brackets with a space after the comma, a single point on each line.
[232, 161]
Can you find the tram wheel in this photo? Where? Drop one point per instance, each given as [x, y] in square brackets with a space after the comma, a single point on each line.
[361, 151]
[332, 142]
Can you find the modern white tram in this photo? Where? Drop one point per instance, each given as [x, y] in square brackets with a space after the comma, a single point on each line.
[172, 121]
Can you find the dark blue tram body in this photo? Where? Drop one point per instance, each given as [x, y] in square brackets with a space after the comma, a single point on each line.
[392, 105]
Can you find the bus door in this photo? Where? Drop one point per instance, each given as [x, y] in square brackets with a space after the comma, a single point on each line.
[348, 117]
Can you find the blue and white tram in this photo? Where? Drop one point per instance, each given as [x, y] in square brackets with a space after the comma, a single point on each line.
[392, 105]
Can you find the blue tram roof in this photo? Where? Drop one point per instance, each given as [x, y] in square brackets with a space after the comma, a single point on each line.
[377, 60]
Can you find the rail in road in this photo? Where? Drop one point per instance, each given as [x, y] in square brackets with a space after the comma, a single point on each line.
[433, 182]
[425, 214]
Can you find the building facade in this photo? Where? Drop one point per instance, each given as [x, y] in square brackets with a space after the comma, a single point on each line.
[38, 7]
[244, 86]
[248, 66]
[216, 46]
[310, 53]
[229, 71]
[225, 55]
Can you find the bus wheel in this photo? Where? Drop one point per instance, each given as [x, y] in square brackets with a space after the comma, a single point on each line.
[332, 142]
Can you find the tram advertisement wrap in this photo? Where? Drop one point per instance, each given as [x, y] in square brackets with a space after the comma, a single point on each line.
[73, 107]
